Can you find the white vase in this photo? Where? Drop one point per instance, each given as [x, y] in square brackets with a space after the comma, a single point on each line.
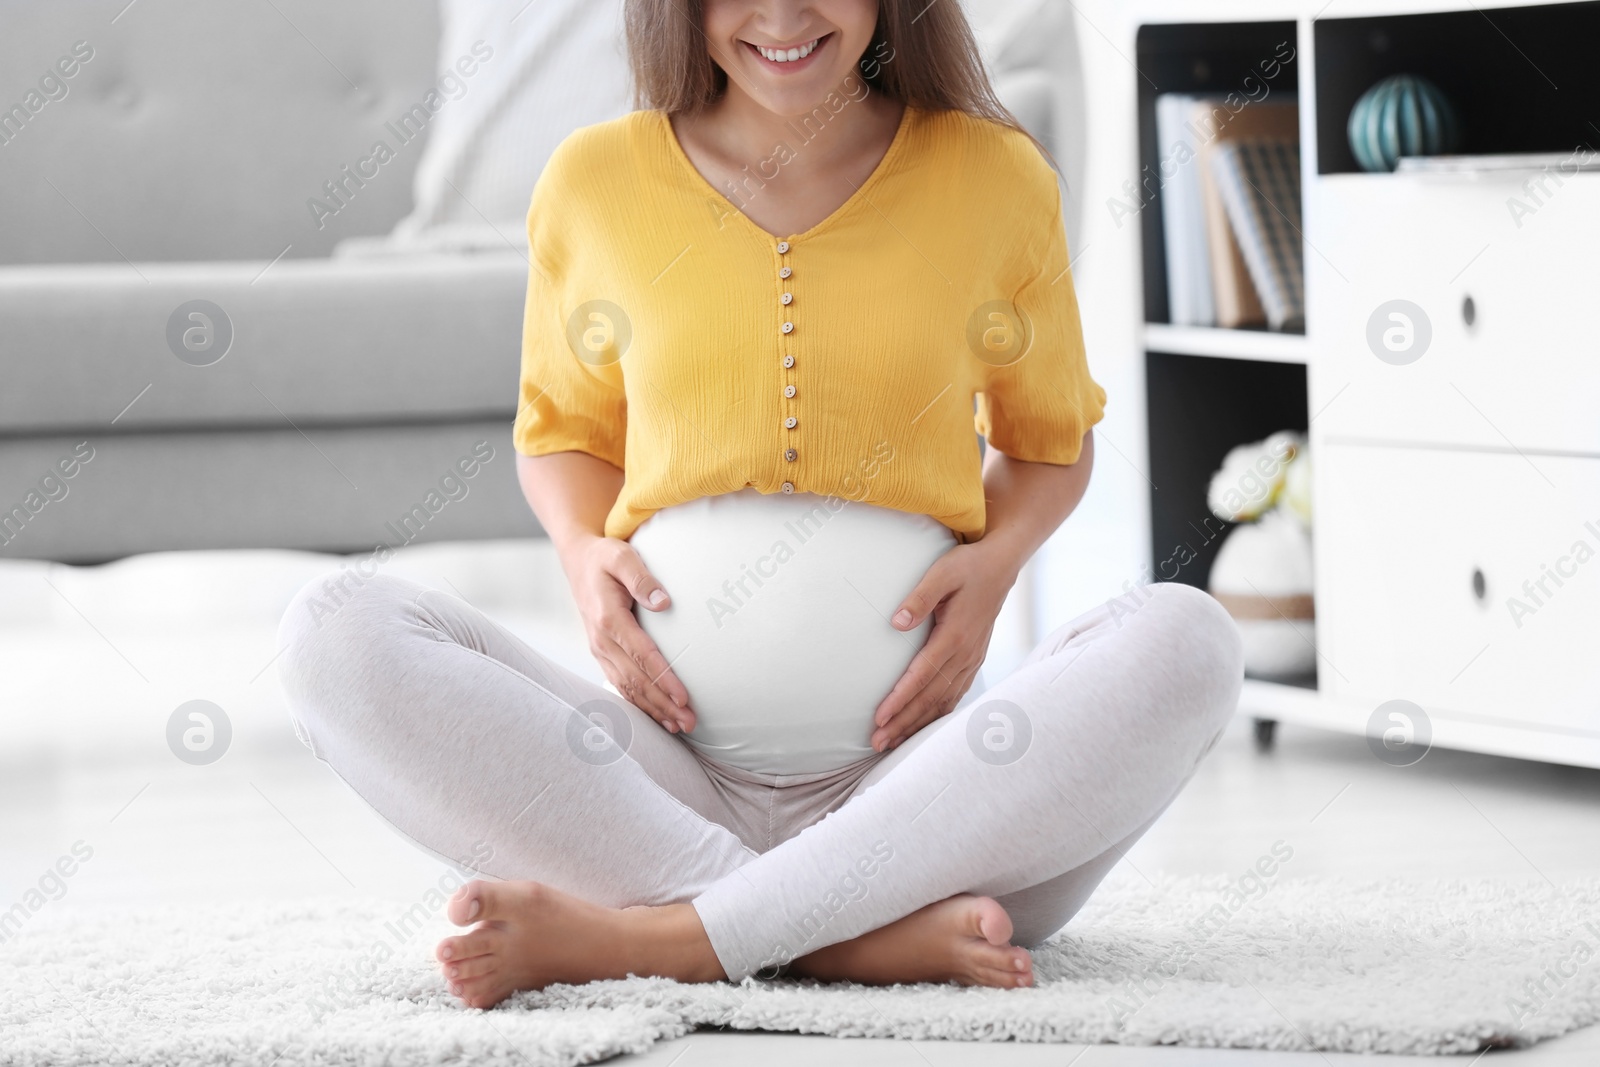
[1262, 576]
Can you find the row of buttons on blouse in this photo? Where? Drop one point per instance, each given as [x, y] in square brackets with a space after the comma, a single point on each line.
[786, 299]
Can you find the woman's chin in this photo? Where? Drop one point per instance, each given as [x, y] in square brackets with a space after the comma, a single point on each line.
[793, 102]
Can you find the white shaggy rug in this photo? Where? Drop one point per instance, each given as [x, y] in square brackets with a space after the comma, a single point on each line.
[1401, 967]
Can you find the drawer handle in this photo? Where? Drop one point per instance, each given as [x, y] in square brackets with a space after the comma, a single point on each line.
[1469, 311]
[1480, 587]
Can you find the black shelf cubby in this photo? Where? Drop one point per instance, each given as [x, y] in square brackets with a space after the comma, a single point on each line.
[1206, 57]
[1544, 95]
[1198, 408]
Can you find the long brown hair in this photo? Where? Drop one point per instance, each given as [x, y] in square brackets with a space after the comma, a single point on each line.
[922, 53]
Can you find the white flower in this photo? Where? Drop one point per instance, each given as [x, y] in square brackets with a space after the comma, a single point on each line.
[1297, 488]
[1252, 476]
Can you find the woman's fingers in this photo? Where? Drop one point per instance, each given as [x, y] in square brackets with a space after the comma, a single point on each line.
[929, 675]
[942, 671]
[936, 588]
[906, 687]
[638, 660]
[939, 582]
[921, 709]
[614, 578]
[936, 679]
[636, 578]
[637, 688]
[641, 663]
[935, 701]
[924, 667]
[648, 658]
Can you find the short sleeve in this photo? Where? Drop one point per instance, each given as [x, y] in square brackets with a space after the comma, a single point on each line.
[1038, 408]
[566, 403]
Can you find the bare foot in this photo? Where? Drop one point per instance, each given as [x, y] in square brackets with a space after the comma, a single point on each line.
[529, 936]
[963, 939]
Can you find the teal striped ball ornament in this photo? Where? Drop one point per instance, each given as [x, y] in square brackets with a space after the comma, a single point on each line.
[1402, 115]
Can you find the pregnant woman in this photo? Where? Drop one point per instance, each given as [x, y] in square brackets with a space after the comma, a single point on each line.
[764, 317]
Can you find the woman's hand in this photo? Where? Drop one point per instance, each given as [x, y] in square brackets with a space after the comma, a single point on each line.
[964, 590]
[1023, 502]
[607, 576]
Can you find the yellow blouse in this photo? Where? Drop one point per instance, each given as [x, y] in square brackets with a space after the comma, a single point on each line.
[668, 334]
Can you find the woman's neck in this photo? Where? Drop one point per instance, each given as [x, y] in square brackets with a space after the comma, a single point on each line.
[788, 172]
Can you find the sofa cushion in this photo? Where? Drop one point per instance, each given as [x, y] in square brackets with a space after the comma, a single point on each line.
[198, 130]
[345, 490]
[315, 342]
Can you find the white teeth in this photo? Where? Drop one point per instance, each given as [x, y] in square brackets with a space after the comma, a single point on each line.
[788, 55]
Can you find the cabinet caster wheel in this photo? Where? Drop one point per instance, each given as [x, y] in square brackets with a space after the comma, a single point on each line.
[1266, 730]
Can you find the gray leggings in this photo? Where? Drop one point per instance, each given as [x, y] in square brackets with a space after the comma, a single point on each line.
[492, 756]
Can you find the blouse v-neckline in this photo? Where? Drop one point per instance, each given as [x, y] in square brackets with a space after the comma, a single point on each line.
[884, 165]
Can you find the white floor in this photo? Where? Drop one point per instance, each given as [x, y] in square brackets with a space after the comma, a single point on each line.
[95, 664]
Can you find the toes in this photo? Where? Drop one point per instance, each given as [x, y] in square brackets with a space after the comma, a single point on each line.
[470, 902]
[471, 968]
[990, 921]
[1005, 958]
[466, 946]
[1001, 967]
[997, 979]
[482, 992]
[480, 901]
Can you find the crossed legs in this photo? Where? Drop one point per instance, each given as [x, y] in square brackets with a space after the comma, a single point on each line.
[989, 827]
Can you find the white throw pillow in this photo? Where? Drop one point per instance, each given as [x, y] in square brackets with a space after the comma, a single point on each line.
[552, 66]
[1031, 50]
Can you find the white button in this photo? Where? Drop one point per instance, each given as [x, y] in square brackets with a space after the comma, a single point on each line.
[791, 422]
[785, 272]
[790, 454]
[783, 247]
[788, 390]
[788, 327]
[788, 361]
[788, 487]
[786, 298]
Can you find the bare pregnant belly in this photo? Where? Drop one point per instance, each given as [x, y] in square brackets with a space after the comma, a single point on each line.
[779, 624]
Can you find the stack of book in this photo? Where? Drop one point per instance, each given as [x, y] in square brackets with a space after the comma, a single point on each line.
[1230, 210]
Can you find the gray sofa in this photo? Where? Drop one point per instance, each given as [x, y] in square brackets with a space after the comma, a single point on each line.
[174, 165]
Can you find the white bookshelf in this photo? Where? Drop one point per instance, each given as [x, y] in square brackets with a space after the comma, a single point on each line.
[1220, 343]
[1442, 486]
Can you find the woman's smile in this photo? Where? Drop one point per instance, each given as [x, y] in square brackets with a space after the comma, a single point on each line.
[791, 58]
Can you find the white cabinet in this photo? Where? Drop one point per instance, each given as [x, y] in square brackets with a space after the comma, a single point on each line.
[1465, 582]
[1525, 374]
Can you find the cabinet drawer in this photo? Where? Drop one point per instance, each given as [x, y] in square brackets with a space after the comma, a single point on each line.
[1401, 534]
[1525, 373]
